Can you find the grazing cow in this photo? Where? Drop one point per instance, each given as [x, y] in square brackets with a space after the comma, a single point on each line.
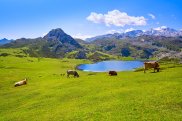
[113, 73]
[148, 65]
[23, 82]
[72, 72]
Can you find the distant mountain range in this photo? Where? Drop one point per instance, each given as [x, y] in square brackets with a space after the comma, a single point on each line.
[61, 36]
[160, 31]
[136, 44]
[5, 41]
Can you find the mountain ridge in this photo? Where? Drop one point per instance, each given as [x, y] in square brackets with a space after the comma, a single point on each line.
[134, 44]
[160, 31]
[4, 41]
[55, 44]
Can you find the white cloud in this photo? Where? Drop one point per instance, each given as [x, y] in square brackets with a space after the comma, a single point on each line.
[81, 36]
[142, 40]
[117, 18]
[44, 34]
[160, 28]
[114, 31]
[130, 29]
[151, 15]
[96, 18]
[144, 30]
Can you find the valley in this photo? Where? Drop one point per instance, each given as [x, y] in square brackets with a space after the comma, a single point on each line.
[132, 45]
[90, 60]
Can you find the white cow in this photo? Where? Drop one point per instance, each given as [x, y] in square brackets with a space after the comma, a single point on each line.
[23, 82]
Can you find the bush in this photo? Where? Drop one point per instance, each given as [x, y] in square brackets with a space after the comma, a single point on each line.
[4, 54]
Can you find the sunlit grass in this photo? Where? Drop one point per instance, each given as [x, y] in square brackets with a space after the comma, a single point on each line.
[93, 96]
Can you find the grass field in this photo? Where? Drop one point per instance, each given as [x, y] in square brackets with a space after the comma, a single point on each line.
[48, 96]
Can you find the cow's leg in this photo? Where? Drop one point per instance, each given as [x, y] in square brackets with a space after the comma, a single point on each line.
[67, 75]
[154, 70]
[144, 69]
[157, 69]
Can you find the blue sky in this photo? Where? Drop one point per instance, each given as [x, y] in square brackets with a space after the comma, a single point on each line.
[85, 18]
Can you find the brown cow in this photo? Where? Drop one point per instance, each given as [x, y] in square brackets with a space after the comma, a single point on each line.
[113, 73]
[23, 82]
[151, 64]
[72, 72]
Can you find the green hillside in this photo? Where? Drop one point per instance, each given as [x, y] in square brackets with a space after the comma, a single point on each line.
[48, 96]
[58, 44]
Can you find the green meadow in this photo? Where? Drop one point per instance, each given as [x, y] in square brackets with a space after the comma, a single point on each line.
[50, 96]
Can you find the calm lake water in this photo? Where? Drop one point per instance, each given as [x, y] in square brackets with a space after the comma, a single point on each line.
[105, 66]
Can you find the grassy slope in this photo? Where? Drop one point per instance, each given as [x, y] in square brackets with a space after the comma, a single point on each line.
[93, 96]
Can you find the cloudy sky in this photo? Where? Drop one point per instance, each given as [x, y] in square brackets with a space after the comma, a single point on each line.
[85, 18]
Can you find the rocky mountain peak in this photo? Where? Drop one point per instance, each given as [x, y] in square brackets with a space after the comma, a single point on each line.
[59, 36]
[55, 34]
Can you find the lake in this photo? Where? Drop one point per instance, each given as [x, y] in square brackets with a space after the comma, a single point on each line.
[113, 65]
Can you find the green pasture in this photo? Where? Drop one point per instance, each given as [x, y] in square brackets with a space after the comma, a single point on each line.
[49, 96]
